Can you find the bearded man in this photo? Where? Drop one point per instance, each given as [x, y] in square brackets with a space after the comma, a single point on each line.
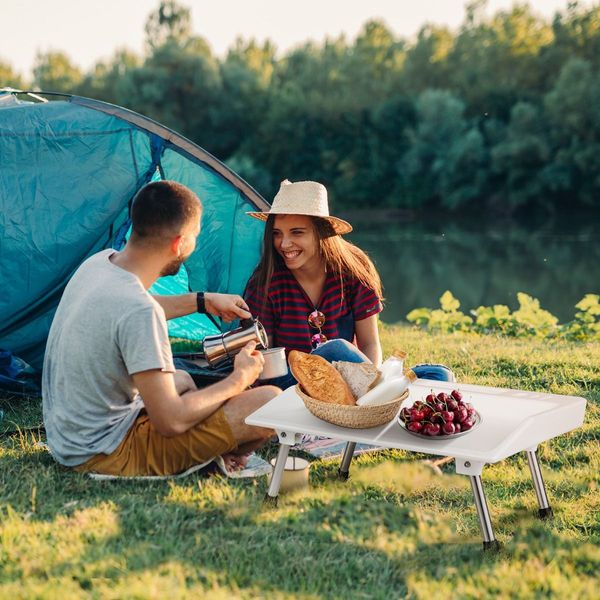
[113, 401]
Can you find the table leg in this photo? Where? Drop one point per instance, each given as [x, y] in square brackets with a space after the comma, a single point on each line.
[485, 522]
[344, 470]
[273, 491]
[545, 511]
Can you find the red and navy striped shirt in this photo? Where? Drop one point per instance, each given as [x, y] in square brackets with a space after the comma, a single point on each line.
[285, 314]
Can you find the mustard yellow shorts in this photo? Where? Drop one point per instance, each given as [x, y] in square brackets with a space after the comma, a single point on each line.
[144, 451]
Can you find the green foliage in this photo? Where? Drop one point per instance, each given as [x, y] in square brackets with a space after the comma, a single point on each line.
[171, 23]
[499, 114]
[445, 319]
[9, 78]
[54, 72]
[586, 325]
[529, 320]
[532, 319]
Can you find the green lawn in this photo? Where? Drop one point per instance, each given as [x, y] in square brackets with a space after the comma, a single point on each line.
[396, 529]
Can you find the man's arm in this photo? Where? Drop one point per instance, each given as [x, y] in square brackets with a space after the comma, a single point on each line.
[226, 306]
[172, 414]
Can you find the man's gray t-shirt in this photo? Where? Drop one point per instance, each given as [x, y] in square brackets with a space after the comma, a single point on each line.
[107, 327]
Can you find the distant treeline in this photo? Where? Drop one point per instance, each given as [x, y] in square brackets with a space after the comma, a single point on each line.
[502, 114]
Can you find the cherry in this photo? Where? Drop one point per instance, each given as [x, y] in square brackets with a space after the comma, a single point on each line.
[456, 395]
[436, 418]
[427, 411]
[461, 414]
[447, 416]
[417, 415]
[448, 428]
[452, 404]
[440, 414]
[405, 414]
[432, 429]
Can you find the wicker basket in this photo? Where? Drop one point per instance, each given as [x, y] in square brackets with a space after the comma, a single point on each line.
[355, 417]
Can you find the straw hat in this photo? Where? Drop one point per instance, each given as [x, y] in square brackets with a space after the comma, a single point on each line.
[303, 198]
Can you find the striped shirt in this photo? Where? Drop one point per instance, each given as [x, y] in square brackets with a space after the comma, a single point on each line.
[285, 314]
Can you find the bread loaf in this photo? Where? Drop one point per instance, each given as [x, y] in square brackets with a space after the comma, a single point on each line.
[361, 377]
[319, 379]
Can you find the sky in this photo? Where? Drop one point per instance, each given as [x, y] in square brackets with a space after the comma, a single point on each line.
[91, 30]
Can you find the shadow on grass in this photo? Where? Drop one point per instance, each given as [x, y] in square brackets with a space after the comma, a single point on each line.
[337, 542]
[20, 412]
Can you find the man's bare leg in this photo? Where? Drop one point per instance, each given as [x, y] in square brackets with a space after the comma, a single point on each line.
[236, 410]
[248, 437]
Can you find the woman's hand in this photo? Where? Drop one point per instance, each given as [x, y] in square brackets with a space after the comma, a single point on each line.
[227, 306]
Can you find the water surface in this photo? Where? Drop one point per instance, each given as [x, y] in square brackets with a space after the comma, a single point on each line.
[482, 261]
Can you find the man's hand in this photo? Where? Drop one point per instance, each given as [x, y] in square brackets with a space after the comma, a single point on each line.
[227, 306]
[248, 365]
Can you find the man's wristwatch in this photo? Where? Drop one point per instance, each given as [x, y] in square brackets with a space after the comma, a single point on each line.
[200, 302]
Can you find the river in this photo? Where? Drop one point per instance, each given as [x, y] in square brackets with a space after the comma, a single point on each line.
[482, 261]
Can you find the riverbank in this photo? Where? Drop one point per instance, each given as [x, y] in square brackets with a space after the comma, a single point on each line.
[395, 529]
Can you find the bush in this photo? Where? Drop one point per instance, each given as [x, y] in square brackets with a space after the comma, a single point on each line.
[529, 320]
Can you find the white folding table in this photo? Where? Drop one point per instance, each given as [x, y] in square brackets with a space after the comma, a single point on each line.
[512, 421]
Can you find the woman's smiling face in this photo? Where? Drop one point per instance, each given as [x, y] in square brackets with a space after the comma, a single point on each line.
[296, 241]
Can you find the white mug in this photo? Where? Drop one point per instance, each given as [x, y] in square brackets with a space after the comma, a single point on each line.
[275, 363]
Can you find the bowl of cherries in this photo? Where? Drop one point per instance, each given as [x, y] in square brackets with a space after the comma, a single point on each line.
[439, 416]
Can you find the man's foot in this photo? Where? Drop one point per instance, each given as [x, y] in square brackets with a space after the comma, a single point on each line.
[235, 462]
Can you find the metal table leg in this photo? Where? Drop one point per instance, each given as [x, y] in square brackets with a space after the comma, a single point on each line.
[485, 523]
[545, 511]
[344, 470]
[273, 491]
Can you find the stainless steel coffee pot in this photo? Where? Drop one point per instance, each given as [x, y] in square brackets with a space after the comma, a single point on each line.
[220, 348]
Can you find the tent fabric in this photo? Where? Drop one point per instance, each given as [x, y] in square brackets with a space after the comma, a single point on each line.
[69, 169]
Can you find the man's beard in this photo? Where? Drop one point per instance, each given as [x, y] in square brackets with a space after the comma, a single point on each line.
[173, 267]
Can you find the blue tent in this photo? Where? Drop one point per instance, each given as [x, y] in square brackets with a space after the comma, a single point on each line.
[69, 169]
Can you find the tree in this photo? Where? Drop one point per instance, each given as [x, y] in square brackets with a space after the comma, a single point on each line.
[179, 86]
[494, 63]
[106, 79]
[521, 157]
[9, 78]
[426, 63]
[571, 107]
[54, 72]
[372, 64]
[246, 76]
[170, 23]
[434, 148]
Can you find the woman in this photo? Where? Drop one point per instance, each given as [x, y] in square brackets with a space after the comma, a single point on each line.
[312, 290]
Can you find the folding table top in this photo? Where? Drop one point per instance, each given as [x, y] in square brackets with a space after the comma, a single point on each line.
[512, 421]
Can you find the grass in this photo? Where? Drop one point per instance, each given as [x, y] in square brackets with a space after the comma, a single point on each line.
[396, 529]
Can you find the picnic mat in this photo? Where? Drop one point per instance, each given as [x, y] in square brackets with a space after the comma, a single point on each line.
[322, 447]
[255, 467]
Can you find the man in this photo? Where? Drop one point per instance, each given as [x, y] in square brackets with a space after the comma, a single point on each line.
[113, 401]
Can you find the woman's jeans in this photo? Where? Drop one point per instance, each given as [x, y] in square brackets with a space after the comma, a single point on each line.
[344, 350]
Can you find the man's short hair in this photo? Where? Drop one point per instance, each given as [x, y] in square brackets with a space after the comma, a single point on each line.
[163, 208]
